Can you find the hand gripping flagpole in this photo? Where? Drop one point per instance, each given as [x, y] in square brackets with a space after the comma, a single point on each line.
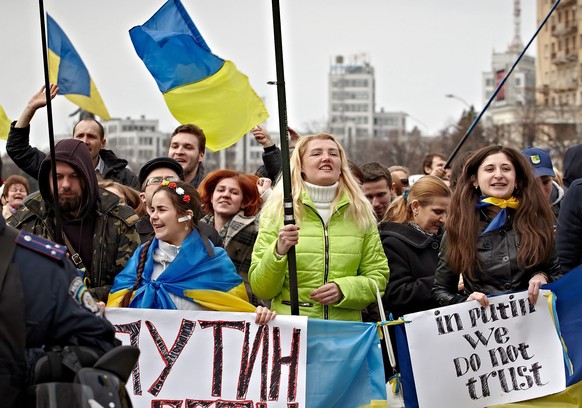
[492, 97]
[49, 110]
[285, 167]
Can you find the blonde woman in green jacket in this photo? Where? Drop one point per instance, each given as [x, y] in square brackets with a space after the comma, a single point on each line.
[338, 247]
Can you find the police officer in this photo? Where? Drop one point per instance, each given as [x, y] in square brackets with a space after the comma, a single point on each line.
[43, 303]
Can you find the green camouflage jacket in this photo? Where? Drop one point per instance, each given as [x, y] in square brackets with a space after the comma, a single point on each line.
[114, 237]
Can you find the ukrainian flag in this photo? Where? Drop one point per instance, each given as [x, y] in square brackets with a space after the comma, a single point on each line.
[67, 70]
[568, 291]
[4, 125]
[209, 280]
[198, 86]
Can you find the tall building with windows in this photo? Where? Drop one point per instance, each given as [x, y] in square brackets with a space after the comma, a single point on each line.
[559, 73]
[352, 115]
[136, 140]
[511, 113]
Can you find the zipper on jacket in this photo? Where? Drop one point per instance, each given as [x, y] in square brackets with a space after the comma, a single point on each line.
[326, 252]
[103, 218]
[326, 267]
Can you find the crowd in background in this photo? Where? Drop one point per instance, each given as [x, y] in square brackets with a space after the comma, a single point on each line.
[176, 237]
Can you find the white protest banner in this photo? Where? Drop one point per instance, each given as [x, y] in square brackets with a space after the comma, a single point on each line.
[213, 359]
[467, 356]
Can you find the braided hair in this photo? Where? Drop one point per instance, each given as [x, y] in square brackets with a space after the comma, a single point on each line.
[185, 198]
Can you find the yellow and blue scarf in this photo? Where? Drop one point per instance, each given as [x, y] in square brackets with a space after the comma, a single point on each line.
[501, 216]
[211, 281]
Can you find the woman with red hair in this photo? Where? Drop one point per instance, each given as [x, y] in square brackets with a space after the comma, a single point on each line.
[232, 202]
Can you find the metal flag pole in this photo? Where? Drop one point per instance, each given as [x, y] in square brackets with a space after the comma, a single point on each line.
[492, 97]
[49, 110]
[285, 167]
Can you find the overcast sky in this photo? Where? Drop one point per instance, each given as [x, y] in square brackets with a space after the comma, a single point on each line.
[420, 49]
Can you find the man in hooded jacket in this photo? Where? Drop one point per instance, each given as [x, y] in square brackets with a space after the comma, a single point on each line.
[99, 232]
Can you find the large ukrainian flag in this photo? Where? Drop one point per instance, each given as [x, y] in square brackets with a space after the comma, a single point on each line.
[67, 70]
[4, 125]
[209, 280]
[198, 86]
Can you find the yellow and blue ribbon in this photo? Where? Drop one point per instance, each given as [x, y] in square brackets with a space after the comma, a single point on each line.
[501, 216]
[552, 306]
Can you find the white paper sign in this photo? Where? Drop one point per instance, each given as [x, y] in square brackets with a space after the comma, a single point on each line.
[214, 359]
[466, 356]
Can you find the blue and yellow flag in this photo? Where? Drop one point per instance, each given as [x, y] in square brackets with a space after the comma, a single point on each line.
[568, 291]
[4, 125]
[344, 365]
[198, 86]
[211, 281]
[67, 70]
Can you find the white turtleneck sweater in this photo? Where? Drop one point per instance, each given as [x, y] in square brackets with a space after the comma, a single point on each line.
[322, 197]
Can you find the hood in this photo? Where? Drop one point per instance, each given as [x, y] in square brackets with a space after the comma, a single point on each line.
[557, 193]
[75, 153]
[572, 164]
[111, 160]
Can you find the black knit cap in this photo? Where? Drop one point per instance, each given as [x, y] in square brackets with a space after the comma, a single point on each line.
[159, 162]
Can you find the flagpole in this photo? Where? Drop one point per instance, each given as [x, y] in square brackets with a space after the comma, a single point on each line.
[49, 110]
[285, 166]
[492, 97]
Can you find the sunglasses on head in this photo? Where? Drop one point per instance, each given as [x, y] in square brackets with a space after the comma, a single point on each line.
[404, 182]
[159, 179]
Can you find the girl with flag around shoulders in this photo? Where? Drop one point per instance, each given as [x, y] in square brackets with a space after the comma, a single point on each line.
[499, 231]
[179, 268]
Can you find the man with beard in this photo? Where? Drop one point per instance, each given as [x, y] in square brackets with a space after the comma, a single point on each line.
[187, 147]
[98, 231]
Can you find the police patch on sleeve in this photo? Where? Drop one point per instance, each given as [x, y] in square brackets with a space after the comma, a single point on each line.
[79, 292]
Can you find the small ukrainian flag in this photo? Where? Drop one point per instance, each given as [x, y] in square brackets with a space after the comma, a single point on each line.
[67, 70]
[4, 125]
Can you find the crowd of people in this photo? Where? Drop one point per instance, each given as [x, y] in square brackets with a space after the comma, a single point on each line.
[176, 237]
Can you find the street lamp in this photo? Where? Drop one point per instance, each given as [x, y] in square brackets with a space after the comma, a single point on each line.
[459, 99]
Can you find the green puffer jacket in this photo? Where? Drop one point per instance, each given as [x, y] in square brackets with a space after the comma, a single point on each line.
[337, 252]
[114, 238]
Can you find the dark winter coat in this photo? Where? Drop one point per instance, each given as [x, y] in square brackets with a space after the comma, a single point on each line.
[29, 158]
[497, 272]
[572, 164]
[569, 232]
[412, 258]
[271, 167]
[113, 238]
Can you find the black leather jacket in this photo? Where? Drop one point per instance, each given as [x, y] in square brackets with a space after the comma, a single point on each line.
[497, 272]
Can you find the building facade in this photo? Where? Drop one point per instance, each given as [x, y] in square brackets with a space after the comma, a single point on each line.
[559, 74]
[136, 140]
[512, 112]
[352, 115]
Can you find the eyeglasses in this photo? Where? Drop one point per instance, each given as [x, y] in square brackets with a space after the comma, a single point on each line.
[404, 182]
[159, 179]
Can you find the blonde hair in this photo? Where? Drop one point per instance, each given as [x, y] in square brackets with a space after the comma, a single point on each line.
[359, 211]
[426, 189]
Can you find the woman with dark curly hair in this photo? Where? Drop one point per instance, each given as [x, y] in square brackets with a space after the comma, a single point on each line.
[499, 231]
[232, 202]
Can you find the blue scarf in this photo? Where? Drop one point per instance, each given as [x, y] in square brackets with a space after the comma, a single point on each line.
[501, 216]
[192, 269]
